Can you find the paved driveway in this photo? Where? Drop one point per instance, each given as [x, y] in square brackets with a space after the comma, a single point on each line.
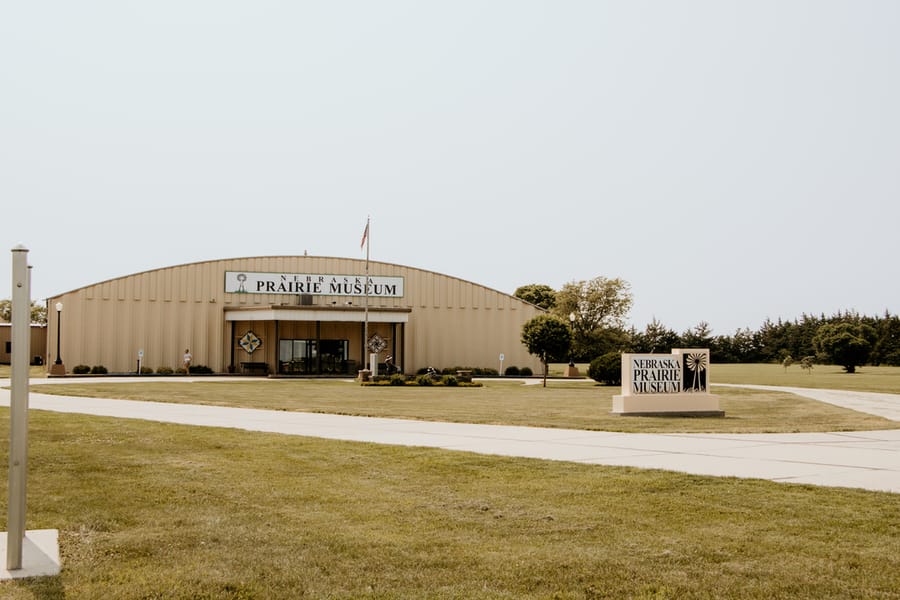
[868, 460]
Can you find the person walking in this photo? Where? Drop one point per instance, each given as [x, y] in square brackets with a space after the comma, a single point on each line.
[186, 360]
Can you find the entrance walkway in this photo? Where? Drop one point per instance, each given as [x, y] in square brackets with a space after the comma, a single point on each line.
[873, 403]
[868, 459]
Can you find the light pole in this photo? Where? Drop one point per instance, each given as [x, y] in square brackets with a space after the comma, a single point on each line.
[58, 367]
[572, 322]
[59, 308]
[572, 371]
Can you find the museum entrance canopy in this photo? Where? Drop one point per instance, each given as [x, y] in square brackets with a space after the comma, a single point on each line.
[311, 340]
[342, 314]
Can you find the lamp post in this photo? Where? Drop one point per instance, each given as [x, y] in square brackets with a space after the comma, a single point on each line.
[58, 367]
[58, 328]
[572, 322]
[572, 371]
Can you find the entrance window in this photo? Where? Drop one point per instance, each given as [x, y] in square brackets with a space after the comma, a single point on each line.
[314, 357]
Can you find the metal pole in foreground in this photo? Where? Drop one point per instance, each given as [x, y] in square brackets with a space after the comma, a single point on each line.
[18, 407]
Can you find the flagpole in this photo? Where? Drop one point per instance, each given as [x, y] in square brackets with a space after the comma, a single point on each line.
[366, 303]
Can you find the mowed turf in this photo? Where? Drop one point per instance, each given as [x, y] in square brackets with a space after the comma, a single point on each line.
[831, 377]
[574, 405]
[148, 510]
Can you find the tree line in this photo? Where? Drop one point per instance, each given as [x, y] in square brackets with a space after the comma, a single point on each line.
[38, 312]
[595, 311]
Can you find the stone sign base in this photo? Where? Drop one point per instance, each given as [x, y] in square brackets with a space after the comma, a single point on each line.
[668, 405]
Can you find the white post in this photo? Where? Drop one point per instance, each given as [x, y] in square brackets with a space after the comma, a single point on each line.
[18, 406]
[374, 368]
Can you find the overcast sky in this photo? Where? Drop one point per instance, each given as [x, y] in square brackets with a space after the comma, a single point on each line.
[733, 161]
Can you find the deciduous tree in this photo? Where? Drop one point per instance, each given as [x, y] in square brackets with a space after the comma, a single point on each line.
[38, 312]
[845, 344]
[538, 294]
[599, 305]
[548, 337]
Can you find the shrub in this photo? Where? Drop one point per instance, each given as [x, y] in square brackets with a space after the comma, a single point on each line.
[98, 370]
[525, 372]
[146, 371]
[450, 380]
[181, 371]
[607, 369]
[398, 379]
[511, 371]
[424, 380]
[81, 369]
[164, 370]
[200, 369]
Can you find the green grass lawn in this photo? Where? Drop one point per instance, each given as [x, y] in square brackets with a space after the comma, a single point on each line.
[576, 405]
[148, 510]
[32, 371]
[866, 379]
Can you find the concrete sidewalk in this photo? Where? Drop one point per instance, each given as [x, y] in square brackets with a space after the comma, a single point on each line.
[868, 460]
[873, 403]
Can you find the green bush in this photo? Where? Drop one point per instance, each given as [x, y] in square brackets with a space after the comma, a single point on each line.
[450, 380]
[398, 379]
[81, 369]
[146, 371]
[98, 370]
[164, 370]
[200, 370]
[424, 380]
[476, 371]
[607, 369]
[525, 372]
[511, 371]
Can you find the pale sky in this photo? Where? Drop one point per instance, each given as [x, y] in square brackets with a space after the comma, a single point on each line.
[733, 161]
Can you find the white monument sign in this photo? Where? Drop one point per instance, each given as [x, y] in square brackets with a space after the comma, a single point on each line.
[666, 385]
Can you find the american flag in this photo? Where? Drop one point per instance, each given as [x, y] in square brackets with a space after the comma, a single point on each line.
[365, 236]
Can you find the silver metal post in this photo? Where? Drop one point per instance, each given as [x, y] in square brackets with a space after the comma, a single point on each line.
[18, 418]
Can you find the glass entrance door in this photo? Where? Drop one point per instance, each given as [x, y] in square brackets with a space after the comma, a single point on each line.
[297, 357]
[314, 357]
[333, 357]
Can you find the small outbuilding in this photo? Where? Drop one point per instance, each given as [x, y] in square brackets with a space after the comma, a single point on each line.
[38, 343]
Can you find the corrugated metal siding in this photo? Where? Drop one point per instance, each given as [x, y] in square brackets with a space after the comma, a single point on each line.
[452, 322]
[38, 340]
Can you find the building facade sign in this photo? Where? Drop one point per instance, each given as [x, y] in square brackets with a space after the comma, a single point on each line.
[246, 282]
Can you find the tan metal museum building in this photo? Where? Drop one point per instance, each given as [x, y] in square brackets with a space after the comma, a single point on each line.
[288, 315]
